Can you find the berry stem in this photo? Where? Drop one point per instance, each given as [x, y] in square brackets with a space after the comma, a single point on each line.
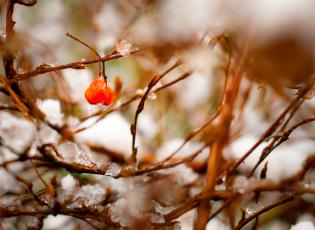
[93, 50]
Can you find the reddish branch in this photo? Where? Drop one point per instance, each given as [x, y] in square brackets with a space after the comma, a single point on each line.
[222, 128]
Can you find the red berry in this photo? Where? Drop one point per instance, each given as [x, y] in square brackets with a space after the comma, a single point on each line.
[99, 93]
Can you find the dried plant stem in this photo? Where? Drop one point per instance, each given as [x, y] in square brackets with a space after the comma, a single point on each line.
[246, 220]
[44, 68]
[83, 43]
[133, 127]
[136, 96]
[223, 127]
[8, 57]
[94, 51]
[16, 99]
[264, 136]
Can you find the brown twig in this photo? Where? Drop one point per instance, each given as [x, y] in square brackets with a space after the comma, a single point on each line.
[136, 96]
[94, 51]
[246, 220]
[45, 68]
[133, 127]
[16, 99]
[217, 145]
[278, 140]
[264, 136]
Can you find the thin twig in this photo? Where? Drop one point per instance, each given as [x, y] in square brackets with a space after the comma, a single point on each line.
[246, 220]
[278, 140]
[45, 68]
[136, 96]
[93, 50]
[133, 127]
[264, 136]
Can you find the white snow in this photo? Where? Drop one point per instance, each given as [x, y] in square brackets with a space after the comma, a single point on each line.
[303, 225]
[72, 153]
[68, 183]
[42, 20]
[89, 196]
[8, 183]
[217, 224]
[113, 170]
[182, 174]
[147, 125]
[112, 132]
[193, 91]
[110, 22]
[284, 161]
[52, 110]
[243, 184]
[78, 81]
[15, 132]
[57, 222]
[123, 47]
[47, 135]
[134, 204]
[253, 208]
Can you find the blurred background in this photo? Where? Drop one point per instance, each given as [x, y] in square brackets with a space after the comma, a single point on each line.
[276, 41]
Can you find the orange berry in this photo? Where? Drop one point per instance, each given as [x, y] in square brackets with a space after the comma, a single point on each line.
[99, 93]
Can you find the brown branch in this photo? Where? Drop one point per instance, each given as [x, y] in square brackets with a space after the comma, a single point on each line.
[94, 51]
[217, 145]
[193, 133]
[163, 165]
[28, 185]
[133, 127]
[136, 96]
[8, 107]
[83, 43]
[46, 150]
[45, 68]
[9, 21]
[26, 2]
[102, 217]
[274, 126]
[246, 220]
[278, 140]
[16, 99]
[8, 56]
